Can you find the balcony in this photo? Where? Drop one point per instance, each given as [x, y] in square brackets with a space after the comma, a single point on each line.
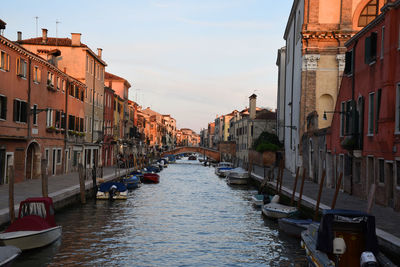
[75, 137]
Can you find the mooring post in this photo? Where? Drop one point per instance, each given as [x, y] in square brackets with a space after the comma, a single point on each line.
[11, 193]
[81, 183]
[321, 185]
[45, 187]
[294, 186]
[339, 182]
[301, 188]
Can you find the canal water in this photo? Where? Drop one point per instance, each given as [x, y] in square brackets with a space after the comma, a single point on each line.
[191, 218]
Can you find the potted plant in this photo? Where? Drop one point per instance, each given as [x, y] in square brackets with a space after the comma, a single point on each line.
[51, 129]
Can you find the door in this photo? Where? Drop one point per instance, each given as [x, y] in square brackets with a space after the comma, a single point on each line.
[3, 166]
[53, 162]
[390, 183]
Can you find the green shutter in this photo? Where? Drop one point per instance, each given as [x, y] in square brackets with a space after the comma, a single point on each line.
[378, 107]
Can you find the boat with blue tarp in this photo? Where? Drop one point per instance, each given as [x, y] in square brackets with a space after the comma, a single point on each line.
[132, 182]
[112, 191]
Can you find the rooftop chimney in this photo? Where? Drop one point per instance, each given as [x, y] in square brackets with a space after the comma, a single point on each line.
[19, 36]
[99, 51]
[252, 109]
[76, 39]
[44, 36]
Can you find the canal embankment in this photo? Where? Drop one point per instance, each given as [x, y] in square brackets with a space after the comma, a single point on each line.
[63, 189]
[387, 220]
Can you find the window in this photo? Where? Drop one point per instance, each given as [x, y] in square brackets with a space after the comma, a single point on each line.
[58, 83]
[348, 69]
[368, 14]
[3, 107]
[398, 173]
[348, 117]
[370, 48]
[76, 92]
[57, 123]
[35, 115]
[49, 118]
[63, 116]
[381, 169]
[71, 123]
[20, 111]
[371, 114]
[87, 63]
[21, 67]
[397, 121]
[50, 79]
[37, 74]
[4, 61]
[71, 89]
[58, 156]
[63, 85]
[383, 42]
[81, 124]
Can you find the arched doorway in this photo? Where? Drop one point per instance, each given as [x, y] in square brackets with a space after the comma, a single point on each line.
[33, 170]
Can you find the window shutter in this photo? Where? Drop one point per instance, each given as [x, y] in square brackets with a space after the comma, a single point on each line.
[17, 66]
[8, 62]
[4, 107]
[15, 110]
[374, 37]
[378, 107]
[367, 51]
[24, 112]
[348, 69]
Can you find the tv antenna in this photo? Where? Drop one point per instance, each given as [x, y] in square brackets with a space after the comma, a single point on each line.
[37, 19]
[57, 22]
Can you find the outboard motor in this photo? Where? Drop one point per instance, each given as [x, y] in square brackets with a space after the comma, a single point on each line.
[368, 259]
[339, 248]
[112, 192]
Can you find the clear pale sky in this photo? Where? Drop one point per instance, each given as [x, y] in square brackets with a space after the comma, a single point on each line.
[193, 59]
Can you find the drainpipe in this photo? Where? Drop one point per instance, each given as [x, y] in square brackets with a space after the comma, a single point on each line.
[29, 100]
[355, 131]
[67, 84]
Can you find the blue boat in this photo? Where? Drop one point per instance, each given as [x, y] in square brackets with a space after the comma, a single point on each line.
[112, 191]
[132, 182]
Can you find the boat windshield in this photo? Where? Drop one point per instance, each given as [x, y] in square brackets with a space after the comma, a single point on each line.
[33, 208]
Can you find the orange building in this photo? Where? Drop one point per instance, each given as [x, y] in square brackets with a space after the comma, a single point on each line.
[39, 107]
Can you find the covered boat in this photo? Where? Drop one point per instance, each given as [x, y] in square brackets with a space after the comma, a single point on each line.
[237, 176]
[223, 167]
[112, 191]
[132, 182]
[343, 238]
[152, 178]
[275, 210]
[35, 227]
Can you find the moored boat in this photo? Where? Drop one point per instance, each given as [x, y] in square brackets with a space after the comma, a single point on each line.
[151, 178]
[112, 191]
[293, 227]
[192, 157]
[132, 182]
[343, 238]
[223, 166]
[258, 200]
[237, 176]
[35, 226]
[8, 254]
[276, 210]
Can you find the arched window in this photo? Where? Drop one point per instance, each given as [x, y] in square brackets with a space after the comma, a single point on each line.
[370, 12]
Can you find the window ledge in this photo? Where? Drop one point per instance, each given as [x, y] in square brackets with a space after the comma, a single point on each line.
[370, 135]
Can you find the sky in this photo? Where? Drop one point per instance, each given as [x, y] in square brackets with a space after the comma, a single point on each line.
[192, 59]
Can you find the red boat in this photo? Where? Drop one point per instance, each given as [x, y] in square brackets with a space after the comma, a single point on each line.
[151, 178]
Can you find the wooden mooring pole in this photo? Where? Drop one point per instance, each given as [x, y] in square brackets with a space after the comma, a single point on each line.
[45, 186]
[321, 186]
[11, 193]
[278, 177]
[82, 183]
[301, 188]
[339, 182]
[294, 186]
[281, 179]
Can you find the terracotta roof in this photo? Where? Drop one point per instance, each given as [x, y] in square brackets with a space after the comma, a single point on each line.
[110, 76]
[266, 115]
[50, 41]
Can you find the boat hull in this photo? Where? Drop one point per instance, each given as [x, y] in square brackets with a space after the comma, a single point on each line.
[151, 178]
[293, 227]
[258, 200]
[26, 240]
[237, 181]
[278, 211]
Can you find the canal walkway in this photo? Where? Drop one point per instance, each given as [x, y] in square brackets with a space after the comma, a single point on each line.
[60, 187]
[387, 220]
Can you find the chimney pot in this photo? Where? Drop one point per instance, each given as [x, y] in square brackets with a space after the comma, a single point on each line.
[75, 39]
[44, 36]
[19, 36]
[99, 52]
[253, 107]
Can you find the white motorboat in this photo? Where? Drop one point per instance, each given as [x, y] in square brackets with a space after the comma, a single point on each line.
[276, 210]
[8, 254]
[35, 226]
[237, 176]
[222, 167]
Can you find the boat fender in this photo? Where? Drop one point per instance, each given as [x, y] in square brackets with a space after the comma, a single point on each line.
[368, 259]
[339, 246]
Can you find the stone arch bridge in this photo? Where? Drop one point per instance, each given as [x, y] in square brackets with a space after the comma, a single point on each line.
[210, 153]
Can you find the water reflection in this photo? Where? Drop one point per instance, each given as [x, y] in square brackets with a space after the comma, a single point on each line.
[192, 218]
